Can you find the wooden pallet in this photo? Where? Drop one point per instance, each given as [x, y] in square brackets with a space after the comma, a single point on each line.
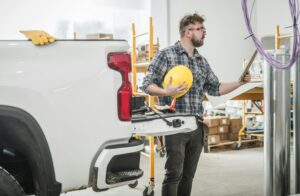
[234, 145]
[222, 145]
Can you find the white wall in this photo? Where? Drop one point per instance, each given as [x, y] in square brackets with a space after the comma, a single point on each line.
[62, 17]
[225, 47]
[159, 13]
[271, 13]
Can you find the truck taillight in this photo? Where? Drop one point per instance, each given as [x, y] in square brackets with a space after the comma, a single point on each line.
[121, 62]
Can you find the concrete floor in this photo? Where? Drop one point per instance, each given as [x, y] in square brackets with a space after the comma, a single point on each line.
[223, 173]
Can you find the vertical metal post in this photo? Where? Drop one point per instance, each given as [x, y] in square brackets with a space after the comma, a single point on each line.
[296, 121]
[277, 129]
[268, 130]
[281, 145]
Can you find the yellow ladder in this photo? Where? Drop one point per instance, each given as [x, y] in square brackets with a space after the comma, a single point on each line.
[142, 67]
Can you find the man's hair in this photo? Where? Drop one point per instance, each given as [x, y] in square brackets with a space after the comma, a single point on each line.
[189, 19]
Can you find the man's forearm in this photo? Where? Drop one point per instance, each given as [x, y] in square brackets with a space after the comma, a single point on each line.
[155, 90]
[228, 87]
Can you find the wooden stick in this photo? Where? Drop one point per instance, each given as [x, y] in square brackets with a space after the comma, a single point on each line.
[246, 70]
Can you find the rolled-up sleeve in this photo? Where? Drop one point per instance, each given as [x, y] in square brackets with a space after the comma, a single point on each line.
[212, 83]
[156, 71]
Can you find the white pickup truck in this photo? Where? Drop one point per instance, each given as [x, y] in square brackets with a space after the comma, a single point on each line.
[66, 120]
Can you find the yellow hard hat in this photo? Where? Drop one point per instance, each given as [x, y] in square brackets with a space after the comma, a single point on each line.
[179, 73]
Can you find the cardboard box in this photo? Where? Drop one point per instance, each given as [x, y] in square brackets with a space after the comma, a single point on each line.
[224, 121]
[223, 129]
[213, 139]
[211, 121]
[213, 130]
[224, 136]
[233, 136]
[236, 121]
[235, 128]
[143, 52]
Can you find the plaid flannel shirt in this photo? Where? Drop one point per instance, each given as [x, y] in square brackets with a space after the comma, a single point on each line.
[204, 80]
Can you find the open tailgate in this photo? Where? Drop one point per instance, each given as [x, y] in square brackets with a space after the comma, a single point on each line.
[163, 124]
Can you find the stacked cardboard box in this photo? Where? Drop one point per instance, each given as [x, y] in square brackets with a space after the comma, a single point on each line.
[213, 139]
[143, 52]
[218, 129]
[234, 128]
[212, 123]
[224, 128]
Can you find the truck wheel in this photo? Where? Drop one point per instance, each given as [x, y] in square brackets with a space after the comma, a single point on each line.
[8, 185]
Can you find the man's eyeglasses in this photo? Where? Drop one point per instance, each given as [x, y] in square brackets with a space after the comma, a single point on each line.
[202, 29]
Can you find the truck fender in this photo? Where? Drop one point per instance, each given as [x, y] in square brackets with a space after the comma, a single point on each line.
[19, 130]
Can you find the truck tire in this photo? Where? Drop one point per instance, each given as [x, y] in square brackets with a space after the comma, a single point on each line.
[8, 185]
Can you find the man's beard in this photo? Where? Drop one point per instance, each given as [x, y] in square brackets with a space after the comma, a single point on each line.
[196, 43]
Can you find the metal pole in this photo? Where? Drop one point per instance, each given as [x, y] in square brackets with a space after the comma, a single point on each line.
[268, 129]
[286, 110]
[296, 122]
[281, 175]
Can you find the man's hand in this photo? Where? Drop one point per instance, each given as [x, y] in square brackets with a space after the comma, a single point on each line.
[175, 90]
[38, 37]
[246, 79]
[225, 88]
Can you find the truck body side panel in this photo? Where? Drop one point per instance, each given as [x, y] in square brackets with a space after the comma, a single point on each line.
[72, 93]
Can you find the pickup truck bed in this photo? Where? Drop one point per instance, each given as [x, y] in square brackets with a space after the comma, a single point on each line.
[65, 116]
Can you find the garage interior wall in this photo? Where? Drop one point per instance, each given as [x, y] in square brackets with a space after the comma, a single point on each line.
[62, 18]
[224, 47]
[272, 13]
